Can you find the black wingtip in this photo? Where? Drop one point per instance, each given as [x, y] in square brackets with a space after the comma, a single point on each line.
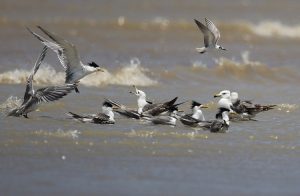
[76, 90]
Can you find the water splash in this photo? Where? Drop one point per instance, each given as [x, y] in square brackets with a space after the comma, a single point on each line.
[73, 134]
[10, 103]
[129, 74]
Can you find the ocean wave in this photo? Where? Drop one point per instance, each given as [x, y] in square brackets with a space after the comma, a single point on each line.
[130, 74]
[246, 69]
[10, 103]
[264, 28]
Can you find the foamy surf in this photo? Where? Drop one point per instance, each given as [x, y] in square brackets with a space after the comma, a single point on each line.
[245, 69]
[10, 103]
[130, 74]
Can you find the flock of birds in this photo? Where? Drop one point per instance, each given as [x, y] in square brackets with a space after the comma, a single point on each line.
[230, 107]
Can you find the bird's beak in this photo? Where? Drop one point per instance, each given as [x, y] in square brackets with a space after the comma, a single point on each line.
[180, 111]
[217, 95]
[233, 113]
[136, 90]
[114, 107]
[203, 106]
[100, 69]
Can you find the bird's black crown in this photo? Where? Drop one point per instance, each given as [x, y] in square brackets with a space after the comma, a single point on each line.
[107, 104]
[195, 103]
[93, 64]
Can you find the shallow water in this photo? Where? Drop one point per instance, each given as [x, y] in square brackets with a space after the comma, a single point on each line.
[152, 45]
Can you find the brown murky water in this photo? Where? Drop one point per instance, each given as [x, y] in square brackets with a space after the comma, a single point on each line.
[152, 44]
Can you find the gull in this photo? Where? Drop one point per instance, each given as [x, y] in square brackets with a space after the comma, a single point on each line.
[68, 57]
[211, 36]
[148, 108]
[167, 119]
[106, 117]
[247, 109]
[196, 117]
[33, 98]
[222, 121]
[225, 100]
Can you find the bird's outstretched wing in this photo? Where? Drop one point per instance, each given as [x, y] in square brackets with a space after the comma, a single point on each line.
[29, 87]
[214, 30]
[208, 35]
[53, 93]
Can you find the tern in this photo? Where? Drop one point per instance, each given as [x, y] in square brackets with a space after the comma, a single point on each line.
[68, 57]
[124, 111]
[106, 117]
[196, 117]
[211, 36]
[33, 98]
[168, 119]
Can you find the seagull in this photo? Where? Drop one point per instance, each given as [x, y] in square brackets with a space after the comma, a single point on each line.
[196, 117]
[221, 123]
[106, 117]
[211, 36]
[225, 100]
[148, 108]
[33, 98]
[247, 109]
[68, 57]
[168, 119]
[124, 111]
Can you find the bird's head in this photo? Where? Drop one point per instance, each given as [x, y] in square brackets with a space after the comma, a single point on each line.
[95, 66]
[221, 48]
[138, 92]
[223, 94]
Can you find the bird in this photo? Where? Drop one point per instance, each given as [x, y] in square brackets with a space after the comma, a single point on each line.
[211, 36]
[166, 119]
[222, 121]
[68, 57]
[225, 100]
[148, 108]
[246, 109]
[196, 117]
[33, 98]
[106, 117]
[124, 111]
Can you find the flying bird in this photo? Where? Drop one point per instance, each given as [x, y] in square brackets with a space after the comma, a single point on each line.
[68, 57]
[33, 98]
[211, 36]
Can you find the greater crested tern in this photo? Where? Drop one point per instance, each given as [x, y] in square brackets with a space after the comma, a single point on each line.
[68, 57]
[211, 36]
[106, 117]
[196, 117]
[33, 98]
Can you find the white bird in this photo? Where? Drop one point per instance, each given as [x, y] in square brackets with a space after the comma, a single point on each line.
[68, 57]
[225, 100]
[106, 117]
[196, 117]
[148, 108]
[222, 121]
[211, 36]
[33, 98]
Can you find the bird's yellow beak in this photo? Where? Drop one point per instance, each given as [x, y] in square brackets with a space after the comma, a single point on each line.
[204, 106]
[217, 95]
[100, 69]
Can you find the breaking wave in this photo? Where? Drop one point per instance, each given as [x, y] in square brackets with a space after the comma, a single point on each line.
[265, 28]
[246, 69]
[130, 74]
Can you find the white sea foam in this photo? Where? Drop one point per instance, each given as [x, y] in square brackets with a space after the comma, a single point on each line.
[130, 74]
